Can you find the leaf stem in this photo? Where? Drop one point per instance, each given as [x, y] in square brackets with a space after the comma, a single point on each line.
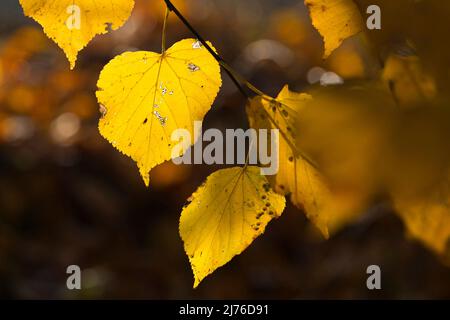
[241, 79]
[163, 41]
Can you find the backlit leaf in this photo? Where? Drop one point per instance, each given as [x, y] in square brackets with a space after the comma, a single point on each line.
[409, 82]
[428, 219]
[145, 96]
[225, 215]
[336, 20]
[297, 175]
[73, 24]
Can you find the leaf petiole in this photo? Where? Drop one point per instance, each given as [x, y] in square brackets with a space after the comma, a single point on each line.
[163, 44]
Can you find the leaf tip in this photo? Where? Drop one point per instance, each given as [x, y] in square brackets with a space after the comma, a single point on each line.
[326, 54]
[196, 283]
[145, 176]
[71, 57]
[325, 233]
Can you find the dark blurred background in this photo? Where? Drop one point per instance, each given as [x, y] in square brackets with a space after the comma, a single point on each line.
[68, 197]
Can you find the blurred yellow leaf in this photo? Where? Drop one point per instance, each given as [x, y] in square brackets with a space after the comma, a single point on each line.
[336, 20]
[418, 27]
[145, 96]
[408, 80]
[428, 219]
[297, 176]
[225, 215]
[367, 147]
[345, 129]
[347, 62]
[72, 25]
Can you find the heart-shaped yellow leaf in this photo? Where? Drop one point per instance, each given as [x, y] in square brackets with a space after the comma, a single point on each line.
[225, 215]
[145, 96]
[73, 23]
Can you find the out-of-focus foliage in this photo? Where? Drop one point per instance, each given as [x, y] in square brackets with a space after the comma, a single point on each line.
[66, 196]
[389, 137]
[410, 83]
[427, 217]
[32, 94]
[414, 27]
[359, 129]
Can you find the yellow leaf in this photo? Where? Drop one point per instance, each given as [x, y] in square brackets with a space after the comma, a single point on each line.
[348, 63]
[423, 37]
[225, 215]
[336, 20]
[367, 146]
[145, 96]
[428, 219]
[408, 80]
[346, 129]
[297, 175]
[73, 24]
